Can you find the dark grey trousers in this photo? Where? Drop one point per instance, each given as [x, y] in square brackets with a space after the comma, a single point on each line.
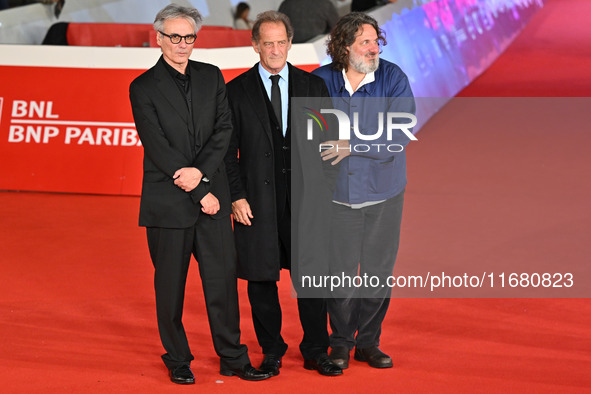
[364, 247]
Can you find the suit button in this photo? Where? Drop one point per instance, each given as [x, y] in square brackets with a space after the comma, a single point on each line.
[284, 171]
[350, 173]
[267, 154]
[197, 146]
[277, 128]
[267, 182]
[285, 147]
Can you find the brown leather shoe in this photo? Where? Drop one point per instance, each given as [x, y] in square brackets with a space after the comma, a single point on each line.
[340, 356]
[374, 357]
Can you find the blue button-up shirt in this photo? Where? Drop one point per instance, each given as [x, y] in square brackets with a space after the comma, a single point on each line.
[376, 169]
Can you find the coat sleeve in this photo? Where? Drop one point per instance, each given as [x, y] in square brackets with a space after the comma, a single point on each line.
[231, 160]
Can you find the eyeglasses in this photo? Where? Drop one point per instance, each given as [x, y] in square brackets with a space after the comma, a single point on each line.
[176, 39]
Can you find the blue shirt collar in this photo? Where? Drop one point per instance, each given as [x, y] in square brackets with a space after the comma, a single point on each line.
[284, 73]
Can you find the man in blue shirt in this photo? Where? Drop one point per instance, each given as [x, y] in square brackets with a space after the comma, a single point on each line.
[369, 195]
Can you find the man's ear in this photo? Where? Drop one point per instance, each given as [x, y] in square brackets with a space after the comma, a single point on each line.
[255, 46]
[159, 39]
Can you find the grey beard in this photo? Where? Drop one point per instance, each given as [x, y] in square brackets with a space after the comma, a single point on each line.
[360, 66]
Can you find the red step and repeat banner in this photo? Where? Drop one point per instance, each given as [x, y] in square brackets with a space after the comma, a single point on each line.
[68, 130]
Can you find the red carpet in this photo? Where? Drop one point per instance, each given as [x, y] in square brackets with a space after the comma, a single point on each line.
[77, 309]
[551, 57]
[77, 315]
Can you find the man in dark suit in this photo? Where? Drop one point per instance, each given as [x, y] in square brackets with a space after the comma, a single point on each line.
[182, 118]
[259, 166]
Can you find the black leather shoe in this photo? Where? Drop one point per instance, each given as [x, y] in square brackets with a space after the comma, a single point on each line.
[271, 364]
[247, 372]
[374, 357]
[324, 365]
[181, 375]
[340, 356]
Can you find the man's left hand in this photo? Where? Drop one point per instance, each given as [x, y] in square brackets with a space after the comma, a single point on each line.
[210, 204]
[187, 178]
[340, 149]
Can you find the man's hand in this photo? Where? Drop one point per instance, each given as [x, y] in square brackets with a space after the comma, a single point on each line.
[210, 204]
[340, 153]
[242, 212]
[187, 178]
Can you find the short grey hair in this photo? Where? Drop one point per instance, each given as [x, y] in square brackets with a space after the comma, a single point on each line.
[271, 17]
[175, 11]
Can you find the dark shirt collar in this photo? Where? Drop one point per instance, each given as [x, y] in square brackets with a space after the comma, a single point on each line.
[174, 72]
[182, 81]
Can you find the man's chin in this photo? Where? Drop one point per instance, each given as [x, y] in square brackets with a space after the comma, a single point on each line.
[373, 65]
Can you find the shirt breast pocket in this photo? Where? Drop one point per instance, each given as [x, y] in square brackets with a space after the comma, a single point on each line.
[381, 175]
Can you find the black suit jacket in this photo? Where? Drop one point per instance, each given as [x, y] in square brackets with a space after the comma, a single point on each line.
[166, 130]
[250, 164]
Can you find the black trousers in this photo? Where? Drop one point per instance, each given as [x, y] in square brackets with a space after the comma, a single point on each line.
[212, 243]
[364, 242]
[266, 310]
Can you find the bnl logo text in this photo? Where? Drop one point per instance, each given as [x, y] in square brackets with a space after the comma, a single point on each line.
[345, 129]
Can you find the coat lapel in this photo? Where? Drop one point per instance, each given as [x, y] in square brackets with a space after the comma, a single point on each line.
[298, 85]
[170, 91]
[252, 89]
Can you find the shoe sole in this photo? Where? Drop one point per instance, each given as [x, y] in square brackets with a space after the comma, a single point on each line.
[310, 368]
[230, 373]
[182, 381]
[363, 359]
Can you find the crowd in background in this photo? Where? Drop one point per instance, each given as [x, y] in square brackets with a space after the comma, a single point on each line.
[309, 18]
[58, 4]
